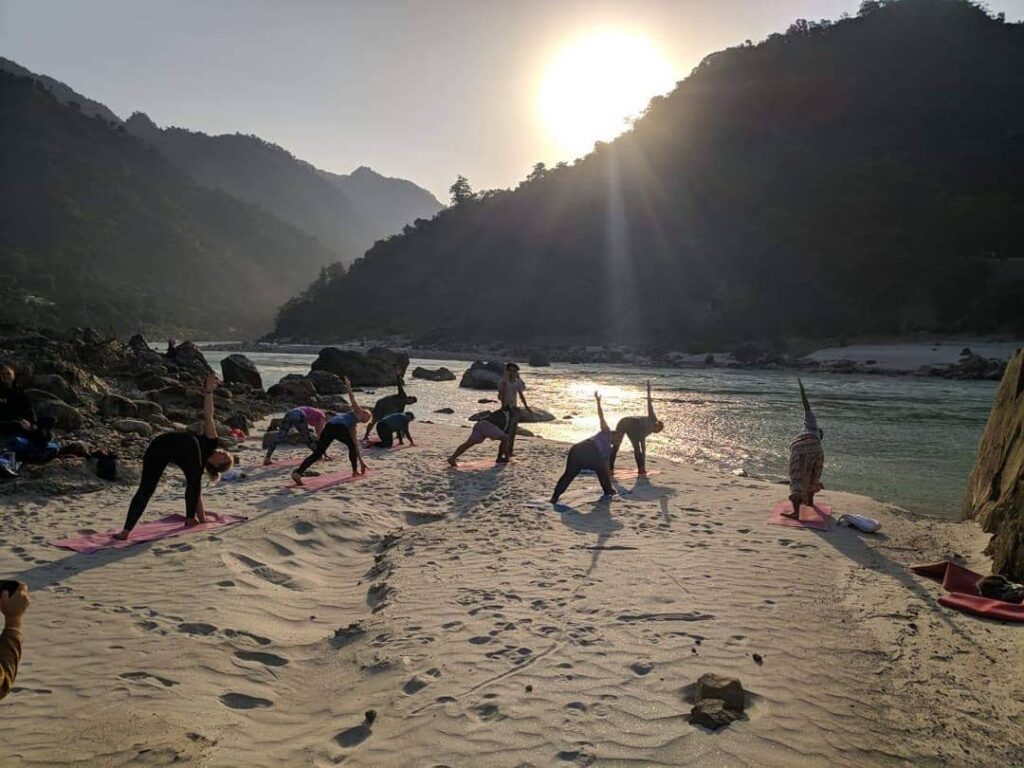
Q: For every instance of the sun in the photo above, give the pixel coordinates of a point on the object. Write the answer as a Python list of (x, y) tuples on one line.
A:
[(598, 81)]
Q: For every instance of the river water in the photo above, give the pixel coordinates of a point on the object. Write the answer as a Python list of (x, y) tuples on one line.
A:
[(909, 441)]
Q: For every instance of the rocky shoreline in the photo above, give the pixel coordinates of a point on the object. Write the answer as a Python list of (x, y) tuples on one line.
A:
[(969, 365)]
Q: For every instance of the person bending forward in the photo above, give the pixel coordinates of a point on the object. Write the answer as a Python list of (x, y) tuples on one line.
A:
[(301, 419), (192, 454), (806, 461), (593, 454), (493, 427), (637, 428), (343, 429)]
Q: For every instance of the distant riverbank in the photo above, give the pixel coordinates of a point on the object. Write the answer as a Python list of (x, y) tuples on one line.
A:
[(963, 358)]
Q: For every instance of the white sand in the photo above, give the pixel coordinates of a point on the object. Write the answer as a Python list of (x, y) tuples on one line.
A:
[(500, 634)]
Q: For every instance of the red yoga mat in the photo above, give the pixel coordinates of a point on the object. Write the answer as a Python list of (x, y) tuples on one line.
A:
[(961, 584), (313, 484), (164, 528), (623, 473), (818, 517), (394, 446)]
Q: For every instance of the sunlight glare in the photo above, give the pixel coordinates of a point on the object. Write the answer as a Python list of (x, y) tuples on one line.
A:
[(596, 83)]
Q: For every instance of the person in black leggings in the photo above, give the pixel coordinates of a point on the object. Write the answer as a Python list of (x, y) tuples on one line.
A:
[(343, 429), (592, 454), (637, 428), (192, 454)]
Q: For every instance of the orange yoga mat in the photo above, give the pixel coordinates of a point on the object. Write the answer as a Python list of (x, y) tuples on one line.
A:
[(961, 586)]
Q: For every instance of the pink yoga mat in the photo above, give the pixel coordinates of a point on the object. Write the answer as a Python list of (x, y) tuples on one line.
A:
[(164, 528), (277, 464), (312, 484), (818, 517), (477, 464), (394, 446), (634, 473)]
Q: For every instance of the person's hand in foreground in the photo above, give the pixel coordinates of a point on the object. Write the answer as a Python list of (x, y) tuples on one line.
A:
[(13, 606)]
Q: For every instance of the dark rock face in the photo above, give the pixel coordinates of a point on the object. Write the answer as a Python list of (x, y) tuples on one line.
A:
[(726, 689), (239, 369), (64, 416), (187, 356), (995, 490), (327, 383), (111, 405), (482, 374), (712, 713), (294, 390), (439, 374), (376, 368), (55, 385)]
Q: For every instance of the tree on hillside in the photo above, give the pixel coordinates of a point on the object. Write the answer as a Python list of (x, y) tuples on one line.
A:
[(460, 191)]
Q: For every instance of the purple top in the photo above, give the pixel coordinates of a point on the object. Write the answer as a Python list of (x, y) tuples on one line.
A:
[(603, 440), (314, 416)]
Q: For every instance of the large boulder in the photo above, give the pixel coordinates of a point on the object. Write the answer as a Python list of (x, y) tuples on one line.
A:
[(376, 368), (64, 416), (482, 374), (725, 689), (188, 357), (534, 415), (712, 714), (438, 374), (539, 360), (146, 408), (995, 490), (55, 385), (111, 405), (294, 390), (133, 427), (237, 368), (327, 383)]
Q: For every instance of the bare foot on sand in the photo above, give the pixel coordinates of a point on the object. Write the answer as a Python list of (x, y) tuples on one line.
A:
[(297, 478), (267, 462), (191, 522)]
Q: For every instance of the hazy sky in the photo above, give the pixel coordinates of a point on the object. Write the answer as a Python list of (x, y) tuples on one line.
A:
[(424, 89)]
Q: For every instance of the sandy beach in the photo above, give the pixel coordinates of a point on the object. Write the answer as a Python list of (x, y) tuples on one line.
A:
[(483, 627)]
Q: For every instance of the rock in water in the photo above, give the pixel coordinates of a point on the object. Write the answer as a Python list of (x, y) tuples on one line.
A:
[(726, 689), (482, 374), (374, 369), (240, 369), (995, 491), (712, 713), (539, 360), (295, 390), (190, 358), (440, 374)]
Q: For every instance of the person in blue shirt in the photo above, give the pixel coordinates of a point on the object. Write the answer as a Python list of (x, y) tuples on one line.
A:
[(593, 454), (397, 424), (343, 429)]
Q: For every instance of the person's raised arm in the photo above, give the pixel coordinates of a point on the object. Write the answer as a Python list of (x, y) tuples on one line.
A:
[(351, 394), (399, 383), (600, 413), (803, 396), (209, 426), (650, 404)]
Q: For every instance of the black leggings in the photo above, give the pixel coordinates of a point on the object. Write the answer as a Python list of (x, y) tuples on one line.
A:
[(585, 455), (385, 434), (330, 433), (176, 448)]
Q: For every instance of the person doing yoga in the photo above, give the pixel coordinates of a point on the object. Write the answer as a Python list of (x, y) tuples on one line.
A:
[(637, 428), (806, 461), (343, 429), (390, 404), (592, 454), (397, 424), (492, 427), (510, 392), (300, 419), (192, 454)]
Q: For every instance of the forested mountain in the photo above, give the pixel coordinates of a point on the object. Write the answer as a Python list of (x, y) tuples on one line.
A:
[(389, 204), (856, 177), (97, 228), (266, 175), (63, 93)]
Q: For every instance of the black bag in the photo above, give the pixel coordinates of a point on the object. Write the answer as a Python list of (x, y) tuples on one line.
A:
[(106, 466)]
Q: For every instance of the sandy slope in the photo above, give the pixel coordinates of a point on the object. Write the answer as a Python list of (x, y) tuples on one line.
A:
[(492, 630)]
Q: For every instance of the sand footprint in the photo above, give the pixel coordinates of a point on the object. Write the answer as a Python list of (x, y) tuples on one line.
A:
[(144, 676), (266, 659), (242, 701)]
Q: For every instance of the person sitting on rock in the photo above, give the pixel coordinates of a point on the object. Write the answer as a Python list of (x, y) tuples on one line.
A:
[(343, 429), (395, 425), (806, 461), (492, 427), (20, 431), (637, 428), (593, 454), (300, 419), (192, 454), (390, 404)]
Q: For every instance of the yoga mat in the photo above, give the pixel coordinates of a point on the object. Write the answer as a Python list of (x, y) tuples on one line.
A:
[(963, 595), (634, 473), (477, 464), (164, 528), (313, 484), (277, 464), (818, 517), (394, 446)]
